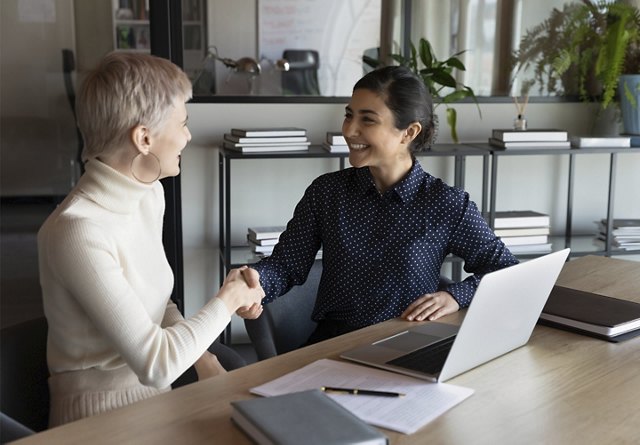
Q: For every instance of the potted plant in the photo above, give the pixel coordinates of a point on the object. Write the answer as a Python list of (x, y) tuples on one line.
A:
[(437, 76), (583, 49)]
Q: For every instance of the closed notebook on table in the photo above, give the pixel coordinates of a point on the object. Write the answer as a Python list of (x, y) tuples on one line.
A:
[(308, 417), (592, 314)]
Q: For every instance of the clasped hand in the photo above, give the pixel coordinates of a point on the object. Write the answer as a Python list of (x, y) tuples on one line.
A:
[(431, 307), (242, 293)]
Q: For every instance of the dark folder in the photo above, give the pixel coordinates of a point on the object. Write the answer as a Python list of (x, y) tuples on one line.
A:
[(308, 417), (592, 314)]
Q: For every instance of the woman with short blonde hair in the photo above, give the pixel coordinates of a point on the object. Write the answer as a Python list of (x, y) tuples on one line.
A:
[(115, 337)]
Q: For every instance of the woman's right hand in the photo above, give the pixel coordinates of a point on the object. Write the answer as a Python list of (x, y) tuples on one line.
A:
[(236, 293)]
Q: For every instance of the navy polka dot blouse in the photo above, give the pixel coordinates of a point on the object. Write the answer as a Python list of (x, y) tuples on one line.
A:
[(380, 252)]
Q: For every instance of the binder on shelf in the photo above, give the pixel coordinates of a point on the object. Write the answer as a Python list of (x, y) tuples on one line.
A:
[(308, 417), (269, 132), (533, 135), (592, 314)]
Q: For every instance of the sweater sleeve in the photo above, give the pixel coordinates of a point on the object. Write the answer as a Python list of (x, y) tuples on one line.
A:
[(83, 260)]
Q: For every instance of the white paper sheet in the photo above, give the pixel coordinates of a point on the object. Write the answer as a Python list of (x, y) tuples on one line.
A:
[(423, 401)]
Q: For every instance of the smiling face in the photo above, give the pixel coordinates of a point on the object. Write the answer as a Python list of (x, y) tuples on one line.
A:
[(370, 131), (170, 140)]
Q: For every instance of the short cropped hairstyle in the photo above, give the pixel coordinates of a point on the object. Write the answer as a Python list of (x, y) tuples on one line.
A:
[(406, 96), (125, 90)]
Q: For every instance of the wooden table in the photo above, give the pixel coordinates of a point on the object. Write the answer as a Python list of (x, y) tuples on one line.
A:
[(559, 388)]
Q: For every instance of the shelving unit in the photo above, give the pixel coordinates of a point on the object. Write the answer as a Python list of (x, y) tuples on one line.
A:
[(580, 245), (131, 30), (131, 25)]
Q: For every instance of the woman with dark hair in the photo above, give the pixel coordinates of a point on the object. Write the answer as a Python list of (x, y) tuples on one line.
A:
[(385, 225)]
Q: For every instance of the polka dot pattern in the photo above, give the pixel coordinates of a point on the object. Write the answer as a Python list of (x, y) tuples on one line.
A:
[(380, 252)]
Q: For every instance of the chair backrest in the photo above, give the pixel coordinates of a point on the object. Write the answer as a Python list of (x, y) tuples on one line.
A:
[(24, 390), (302, 77), (286, 323)]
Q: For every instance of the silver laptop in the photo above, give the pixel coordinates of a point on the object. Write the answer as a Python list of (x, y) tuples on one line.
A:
[(501, 318)]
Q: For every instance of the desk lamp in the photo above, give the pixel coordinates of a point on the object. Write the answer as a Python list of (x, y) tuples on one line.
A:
[(244, 65)]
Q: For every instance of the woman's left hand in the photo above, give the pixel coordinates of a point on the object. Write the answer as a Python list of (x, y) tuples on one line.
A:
[(431, 307), (208, 366)]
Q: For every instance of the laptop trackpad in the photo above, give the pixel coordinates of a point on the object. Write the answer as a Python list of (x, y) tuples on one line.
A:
[(409, 341)]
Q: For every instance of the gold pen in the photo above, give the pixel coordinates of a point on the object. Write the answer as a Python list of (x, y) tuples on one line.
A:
[(361, 392)]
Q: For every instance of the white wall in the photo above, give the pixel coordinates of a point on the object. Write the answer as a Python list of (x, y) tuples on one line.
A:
[(265, 192)]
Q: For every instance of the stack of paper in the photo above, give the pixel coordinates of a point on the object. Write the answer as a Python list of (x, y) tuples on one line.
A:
[(422, 401), (523, 231), (523, 139), (625, 234), (335, 142), (265, 140)]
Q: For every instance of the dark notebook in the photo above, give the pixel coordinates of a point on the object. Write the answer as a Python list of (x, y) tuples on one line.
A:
[(308, 417), (593, 314)]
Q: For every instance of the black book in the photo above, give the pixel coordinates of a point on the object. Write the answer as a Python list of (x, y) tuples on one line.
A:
[(592, 314), (308, 417)]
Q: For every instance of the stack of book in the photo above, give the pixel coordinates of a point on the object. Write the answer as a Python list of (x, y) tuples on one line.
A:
[(523, 231), (595, 142), (527, 139), (625, 234), (335, 143), (265, 140), (262, 240)]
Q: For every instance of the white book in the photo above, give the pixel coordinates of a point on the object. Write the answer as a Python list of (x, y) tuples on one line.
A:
[(530, 248), (589, 142), (269, 131), (519, 219), (332, 148), (262, 140), (524, 231), (335, 138), (263, 148), (265, 232), (511, 135), (264, 241), (528, 144), (524, 240)]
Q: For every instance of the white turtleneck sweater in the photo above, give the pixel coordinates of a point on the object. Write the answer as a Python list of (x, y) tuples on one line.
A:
[(114, 335)]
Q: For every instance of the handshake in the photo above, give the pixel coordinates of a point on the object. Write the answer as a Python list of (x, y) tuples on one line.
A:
[(242, 293)]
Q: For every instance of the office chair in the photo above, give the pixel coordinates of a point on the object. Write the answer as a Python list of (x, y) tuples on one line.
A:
[(302, 77), (286, 323), (24, 391)]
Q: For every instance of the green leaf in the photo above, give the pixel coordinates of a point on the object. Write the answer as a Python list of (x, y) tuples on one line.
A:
[(426, 53), (444, 78), (452, 117), (455, 63)]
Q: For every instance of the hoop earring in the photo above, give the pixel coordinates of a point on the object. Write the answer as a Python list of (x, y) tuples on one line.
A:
[(133, 161)]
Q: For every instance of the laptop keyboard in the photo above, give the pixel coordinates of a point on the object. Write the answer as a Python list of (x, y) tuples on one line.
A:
[(429, 359)]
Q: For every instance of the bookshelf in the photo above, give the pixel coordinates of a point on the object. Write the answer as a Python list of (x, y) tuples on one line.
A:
[(131, 30), (581, 245)]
